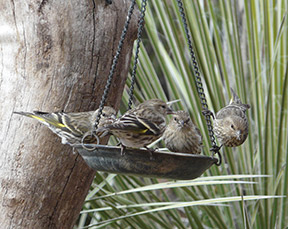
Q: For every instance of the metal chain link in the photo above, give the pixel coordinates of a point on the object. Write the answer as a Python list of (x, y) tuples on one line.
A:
[(115, 61), (140, 29), (199, 84)]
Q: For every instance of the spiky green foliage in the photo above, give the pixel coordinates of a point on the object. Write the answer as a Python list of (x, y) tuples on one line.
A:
[(239, 44)]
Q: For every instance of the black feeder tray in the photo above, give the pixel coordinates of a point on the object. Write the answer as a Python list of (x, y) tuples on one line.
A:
[(167, 165)]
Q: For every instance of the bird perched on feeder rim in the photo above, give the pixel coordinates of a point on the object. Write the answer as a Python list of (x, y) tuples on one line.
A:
[(141, 125), (181, 135), (74, 128), (231, 123)]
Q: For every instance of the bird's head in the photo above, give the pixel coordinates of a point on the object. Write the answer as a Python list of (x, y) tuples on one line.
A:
[(159, 106), (109, 112), (181, 119), (235, 128)]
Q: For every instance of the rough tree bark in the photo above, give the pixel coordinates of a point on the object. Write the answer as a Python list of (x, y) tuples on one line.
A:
[(54, 55)]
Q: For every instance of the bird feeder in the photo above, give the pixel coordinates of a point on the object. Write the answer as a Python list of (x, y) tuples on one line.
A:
[(178, 166), (139, 162)]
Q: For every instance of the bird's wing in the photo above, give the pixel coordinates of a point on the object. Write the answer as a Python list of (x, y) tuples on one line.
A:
[(136, 124), (152, 127), (78, 123)]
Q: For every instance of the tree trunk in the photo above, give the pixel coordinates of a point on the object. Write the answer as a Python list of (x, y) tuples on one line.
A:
[(54, 55)]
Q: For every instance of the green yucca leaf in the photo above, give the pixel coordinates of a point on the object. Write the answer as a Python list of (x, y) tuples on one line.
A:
[(192, 203)]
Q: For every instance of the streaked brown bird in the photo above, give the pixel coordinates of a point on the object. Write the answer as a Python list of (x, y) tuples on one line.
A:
[(141, 125), (231, 123), (181, 135), (72, 127)]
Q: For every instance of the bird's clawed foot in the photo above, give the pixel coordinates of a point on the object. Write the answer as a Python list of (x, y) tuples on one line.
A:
[(122, 149), (151, 151)]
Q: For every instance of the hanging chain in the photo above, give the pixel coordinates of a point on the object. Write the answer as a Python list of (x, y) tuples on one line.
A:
[(140, 29), (115, 61), (199, 85)]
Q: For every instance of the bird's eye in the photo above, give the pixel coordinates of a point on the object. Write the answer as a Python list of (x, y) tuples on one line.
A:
[(232, 127), (175, 119), (103, 114), (163, 106)]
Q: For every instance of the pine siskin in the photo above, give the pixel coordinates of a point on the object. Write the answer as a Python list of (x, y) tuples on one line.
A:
[(142, 125), (181, 135), (72, 127), (231, 123)]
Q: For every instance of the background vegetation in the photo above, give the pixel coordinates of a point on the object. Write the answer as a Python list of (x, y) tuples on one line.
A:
[(239, 44)]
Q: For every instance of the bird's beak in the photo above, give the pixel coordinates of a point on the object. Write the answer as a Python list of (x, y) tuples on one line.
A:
[(238, 135), (113, 116), (170, 111), (182, 123)]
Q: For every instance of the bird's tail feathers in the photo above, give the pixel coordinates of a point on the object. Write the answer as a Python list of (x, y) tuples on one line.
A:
[(236, 100), (27, 114), (43, 117), (40, 113)]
